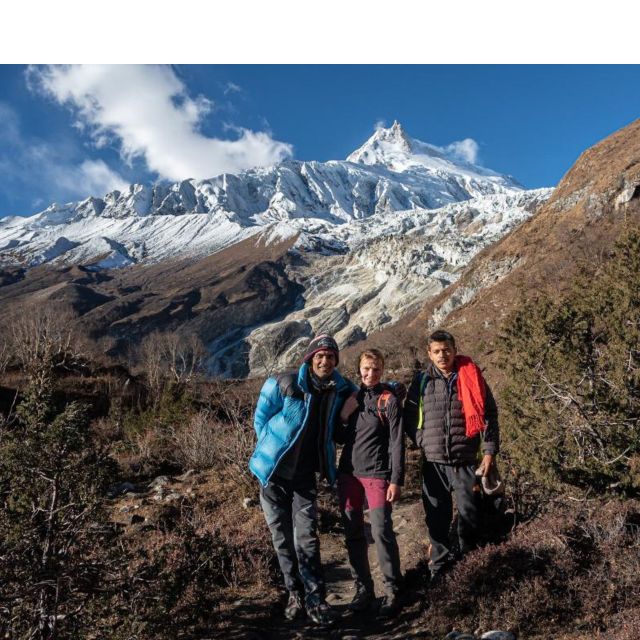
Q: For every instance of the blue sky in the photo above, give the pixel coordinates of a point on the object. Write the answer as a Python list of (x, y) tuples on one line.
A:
[(66, 133)]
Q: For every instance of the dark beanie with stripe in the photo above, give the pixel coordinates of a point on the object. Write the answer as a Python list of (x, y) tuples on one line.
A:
[(322, 343)]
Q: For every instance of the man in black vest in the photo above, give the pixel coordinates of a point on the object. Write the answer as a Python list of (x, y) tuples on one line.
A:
[(450, 413)]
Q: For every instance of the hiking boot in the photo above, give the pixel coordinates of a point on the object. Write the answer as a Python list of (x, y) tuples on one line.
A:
[(322, 613), (436, 578), (294, 606), (362, 600), (391, 606)]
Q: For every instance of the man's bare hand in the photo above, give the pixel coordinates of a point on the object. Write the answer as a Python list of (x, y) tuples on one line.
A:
[(487, 464), (393, 492), (350, 405)]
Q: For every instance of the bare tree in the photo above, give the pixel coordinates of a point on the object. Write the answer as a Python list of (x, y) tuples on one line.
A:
[(174, 358), (5, 352), (185, 356), (43, 338), (151, 361)]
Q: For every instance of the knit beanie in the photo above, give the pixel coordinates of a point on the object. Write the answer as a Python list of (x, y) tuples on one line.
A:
[(320, 343)]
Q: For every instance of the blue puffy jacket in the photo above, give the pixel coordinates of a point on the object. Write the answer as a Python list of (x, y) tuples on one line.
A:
[(281, 414)]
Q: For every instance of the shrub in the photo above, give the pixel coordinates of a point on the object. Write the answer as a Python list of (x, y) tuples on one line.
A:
[(51, 482), (195, 443), (572, 410), (176, 573), (579, 566), (208, 442)]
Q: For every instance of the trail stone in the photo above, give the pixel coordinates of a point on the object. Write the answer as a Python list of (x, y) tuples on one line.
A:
[(159, 482), (187, 474), (497, 635), (121, 488), (459, 635)]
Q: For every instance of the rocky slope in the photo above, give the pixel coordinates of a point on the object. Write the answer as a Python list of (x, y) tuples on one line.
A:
[(596, 200)]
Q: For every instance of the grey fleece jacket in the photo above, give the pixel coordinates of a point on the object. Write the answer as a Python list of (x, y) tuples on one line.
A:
[(373, 448)]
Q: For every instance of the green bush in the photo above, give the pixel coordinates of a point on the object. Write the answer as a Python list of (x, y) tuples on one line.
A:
[(572, 406), (51, 519)]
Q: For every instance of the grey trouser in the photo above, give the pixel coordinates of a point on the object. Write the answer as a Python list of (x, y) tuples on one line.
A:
[(290, 510), (438, 482)]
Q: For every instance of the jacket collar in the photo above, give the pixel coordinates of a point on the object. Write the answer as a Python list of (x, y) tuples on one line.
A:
[(376, 390), (434, 372), (303, 379)]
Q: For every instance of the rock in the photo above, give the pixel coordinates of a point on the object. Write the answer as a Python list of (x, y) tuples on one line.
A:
[(497, 635), (187, 474), (248, 502), (159, 482), (174, 495), (121, 488), (125, 509), (458, 635)]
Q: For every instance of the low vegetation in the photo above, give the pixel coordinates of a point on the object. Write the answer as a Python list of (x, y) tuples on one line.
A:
[(80, 558)]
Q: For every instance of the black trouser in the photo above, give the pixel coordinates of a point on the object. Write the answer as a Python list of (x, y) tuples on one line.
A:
[(290, 510), (438, 481)]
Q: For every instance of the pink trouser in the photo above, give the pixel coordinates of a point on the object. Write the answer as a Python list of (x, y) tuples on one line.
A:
[(352, 491)]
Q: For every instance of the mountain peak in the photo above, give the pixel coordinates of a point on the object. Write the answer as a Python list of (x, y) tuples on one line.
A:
[(383, 143), (394, 134)]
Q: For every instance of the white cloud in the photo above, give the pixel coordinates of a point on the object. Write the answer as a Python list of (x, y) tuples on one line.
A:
[(33, 166), (380, 124), (91, 177), (148, 111), (232, 87), (467, 150)]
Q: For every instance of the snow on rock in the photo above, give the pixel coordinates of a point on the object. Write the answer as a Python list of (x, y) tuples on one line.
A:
[(375, 235), (388, 174), (390, 265)]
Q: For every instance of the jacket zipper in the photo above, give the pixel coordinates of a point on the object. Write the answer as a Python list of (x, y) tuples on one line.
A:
[(448, 420)]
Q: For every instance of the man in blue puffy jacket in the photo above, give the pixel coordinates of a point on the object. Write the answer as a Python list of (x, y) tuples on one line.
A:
[(294, 423)]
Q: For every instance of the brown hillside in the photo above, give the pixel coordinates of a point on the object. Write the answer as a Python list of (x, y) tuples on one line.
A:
[(231, 289)]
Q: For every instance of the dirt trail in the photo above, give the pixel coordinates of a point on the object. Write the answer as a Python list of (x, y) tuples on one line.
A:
[(264, 620)]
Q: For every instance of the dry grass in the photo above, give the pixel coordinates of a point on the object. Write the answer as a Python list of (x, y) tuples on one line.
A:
[(576, 568)]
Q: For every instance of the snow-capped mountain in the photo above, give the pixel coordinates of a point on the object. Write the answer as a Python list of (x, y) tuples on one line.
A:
[(372, 237), (390, 265), (389, 173)]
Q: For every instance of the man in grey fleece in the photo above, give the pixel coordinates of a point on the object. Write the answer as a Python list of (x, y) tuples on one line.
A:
[(450, 413)]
